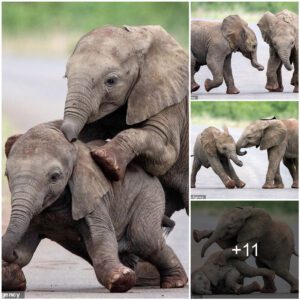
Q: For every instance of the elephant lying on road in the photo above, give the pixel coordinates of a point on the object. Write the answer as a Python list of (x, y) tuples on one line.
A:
[(215, 149), (212, 44), (281, 32), (213, 278), (275, 242), (141, 73), (280, 139), (60, 193)]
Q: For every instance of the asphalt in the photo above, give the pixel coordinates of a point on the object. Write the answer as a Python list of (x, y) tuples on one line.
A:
[(248, 80), (253, 172)]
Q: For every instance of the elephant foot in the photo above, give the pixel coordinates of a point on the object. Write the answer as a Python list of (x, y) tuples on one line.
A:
[(195, 87), (13, 278), (232, 90), (268, 290), (296, 90), (250, 288), (240, 184), (295, 185), (120, 280), (146, 274), (176, 280), (294, 288), (207, 85), (274, 88), (198, 235), (279, 185), (111, 164), (230, 184), (269, 186)]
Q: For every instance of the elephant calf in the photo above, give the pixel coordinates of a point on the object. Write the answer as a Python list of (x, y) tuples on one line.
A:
[(212, 44), (280, 139), (58, 192), (214, 148), (215, 278)]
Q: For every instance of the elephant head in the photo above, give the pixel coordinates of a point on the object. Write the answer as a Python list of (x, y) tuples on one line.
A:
[(281, 32), (40, 164), (240, 224), (200, 284), (264, 133), (241, 38), (141, 67)]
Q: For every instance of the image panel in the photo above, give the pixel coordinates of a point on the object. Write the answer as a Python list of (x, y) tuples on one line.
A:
[(244, 50), (244, 249), (95, 138), (244, 150)]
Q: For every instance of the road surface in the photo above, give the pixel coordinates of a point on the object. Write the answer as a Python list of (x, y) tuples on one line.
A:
[(200, 220), (248, 80), (33, 91), (253, 173)]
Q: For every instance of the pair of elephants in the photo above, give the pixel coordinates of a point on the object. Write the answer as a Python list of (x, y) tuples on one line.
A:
[(223, 272), (212, 44), (68, 185), (216, 149)]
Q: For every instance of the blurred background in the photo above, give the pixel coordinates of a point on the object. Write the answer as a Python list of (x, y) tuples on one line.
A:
[(205, 215), (37, 39)]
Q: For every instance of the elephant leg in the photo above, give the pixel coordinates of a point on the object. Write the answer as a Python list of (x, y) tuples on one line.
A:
[(295, 183), (232, 280), (215, 65), (232, 174), (102, 246), (195, 67), (249, 288), (275, 155), (294, 80), (13, 278), (196, 167), (199, 235), (269, 285), (273, 64), (227, 72), (279, 77), (291, 165), (278, 180), (218, 168)]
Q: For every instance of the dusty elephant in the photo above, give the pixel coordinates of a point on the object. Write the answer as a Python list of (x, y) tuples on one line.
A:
[(139, 76), (227, 278), (213, 43), (214, 148), (280, 139), (275, 241), (280, 31), (58, 192)]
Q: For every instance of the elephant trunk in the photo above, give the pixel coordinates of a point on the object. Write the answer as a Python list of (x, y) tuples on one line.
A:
[(255, 63), (285, 58), (238, 149), (212, 239), (235, 159)]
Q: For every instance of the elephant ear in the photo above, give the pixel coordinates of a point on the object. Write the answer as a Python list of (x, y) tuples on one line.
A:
[(163, 73), (88, 185), (208, 141), (234, 30), (265, 25), (10, 142), (273, 135)]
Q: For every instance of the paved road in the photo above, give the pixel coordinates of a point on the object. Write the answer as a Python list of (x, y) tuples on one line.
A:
[(33, 92), (248, 80), (200, 220), (253, 173)]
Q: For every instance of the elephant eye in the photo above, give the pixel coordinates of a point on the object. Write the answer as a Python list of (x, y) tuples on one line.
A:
[(111, 81), (55, 176)]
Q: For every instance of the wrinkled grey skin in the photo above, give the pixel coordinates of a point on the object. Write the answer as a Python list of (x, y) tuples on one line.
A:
[(214, 148), (58, 192), (275, 242), (280, 139), (141, 75), (281, 32), (213, 278), (213, 43)]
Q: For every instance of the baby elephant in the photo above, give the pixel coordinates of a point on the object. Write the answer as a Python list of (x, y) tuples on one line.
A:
[(212, 44), (58, 192), (213, 278), (214, 148), (281, 32), (280, 139)]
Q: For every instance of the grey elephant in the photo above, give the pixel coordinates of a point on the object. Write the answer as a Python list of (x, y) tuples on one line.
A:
[(247, 225), (137, 79), (215, 278), (212, 44), (281, 32), (280, 139), (214, 148), (58, 192)]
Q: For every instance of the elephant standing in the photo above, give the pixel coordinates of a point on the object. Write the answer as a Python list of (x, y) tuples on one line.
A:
[(213, 43), (215, 278), (214, 148), (280, 31), (58, 192), (139, 75), (280, 139), (275, 242)]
